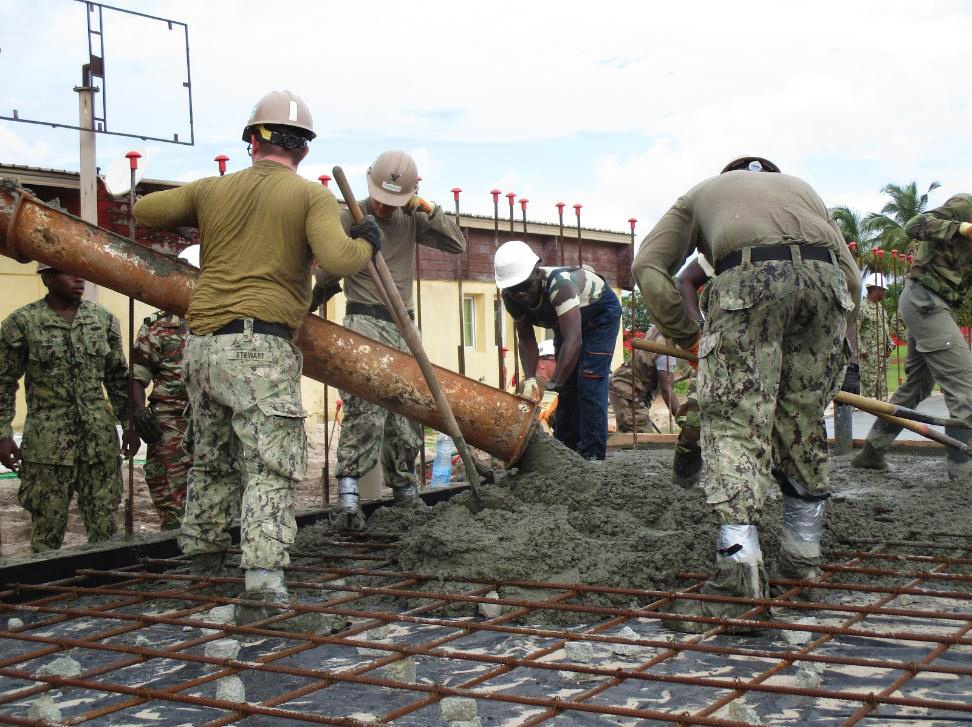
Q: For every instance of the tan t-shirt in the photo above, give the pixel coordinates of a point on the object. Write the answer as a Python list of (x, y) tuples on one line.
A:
[(260, 229), (725, 213)]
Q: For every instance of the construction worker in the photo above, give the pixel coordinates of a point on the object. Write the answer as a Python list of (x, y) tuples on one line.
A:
[(771, 357), (585, 315), (937, 285), (873, 340), (68, 349), (638, 379), (157, 360), (370, 433), (260, 230)]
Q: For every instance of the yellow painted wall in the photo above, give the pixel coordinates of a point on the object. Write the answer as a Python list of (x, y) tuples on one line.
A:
[(440, 313)]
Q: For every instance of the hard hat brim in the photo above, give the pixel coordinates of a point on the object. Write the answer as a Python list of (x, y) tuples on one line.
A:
[(392, 199)]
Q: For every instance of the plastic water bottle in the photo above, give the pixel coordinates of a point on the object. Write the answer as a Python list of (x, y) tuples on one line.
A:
[(442, 464)]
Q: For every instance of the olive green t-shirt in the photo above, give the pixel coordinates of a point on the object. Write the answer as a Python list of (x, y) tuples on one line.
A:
[(260, 230)]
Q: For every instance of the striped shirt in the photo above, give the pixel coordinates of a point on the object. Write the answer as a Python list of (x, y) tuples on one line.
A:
[(563, 290)]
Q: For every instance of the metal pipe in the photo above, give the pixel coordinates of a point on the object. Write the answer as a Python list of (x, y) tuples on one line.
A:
[(495, 421), (498, 304), (423, 464), (326, 470), (462, 301), (133, 157), (580, 243), (560, 238)]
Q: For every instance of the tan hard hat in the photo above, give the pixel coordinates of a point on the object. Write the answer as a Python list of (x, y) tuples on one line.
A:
[(393, 178), (284, 109), (762, 165)]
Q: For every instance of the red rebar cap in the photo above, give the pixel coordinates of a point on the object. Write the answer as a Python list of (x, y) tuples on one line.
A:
[(632, 221), (852, 245), (879, 253), (324, 179), (510, 196), (455, 193), (577, 208), (523, 202), (133, 157), (221, 160), (560, 206), (496, 193)]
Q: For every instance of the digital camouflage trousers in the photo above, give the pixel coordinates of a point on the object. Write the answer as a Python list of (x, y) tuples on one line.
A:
[(248, 445), (771, 359)]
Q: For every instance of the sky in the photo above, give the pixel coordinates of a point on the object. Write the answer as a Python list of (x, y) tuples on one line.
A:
[(618, 106)]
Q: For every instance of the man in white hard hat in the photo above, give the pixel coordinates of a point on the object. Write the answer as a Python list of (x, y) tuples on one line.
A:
[(260, 230), (873, 339), (370, 433), (585, 315)]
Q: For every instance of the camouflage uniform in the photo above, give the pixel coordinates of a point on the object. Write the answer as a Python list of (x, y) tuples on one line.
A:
[(937, 285), (248, 444), (159, 350), (874, 346), (635, 379), (70, 443), (369, 431), (770, 360)]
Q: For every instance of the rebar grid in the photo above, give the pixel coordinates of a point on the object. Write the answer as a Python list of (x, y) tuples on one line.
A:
[(319, 678)]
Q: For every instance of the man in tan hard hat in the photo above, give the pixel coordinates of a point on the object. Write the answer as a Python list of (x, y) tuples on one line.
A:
[(370, 433), (260, 228)]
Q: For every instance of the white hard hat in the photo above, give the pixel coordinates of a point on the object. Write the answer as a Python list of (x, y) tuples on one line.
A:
[(514, 262), (41, 267), (546, 348), (875, 280)]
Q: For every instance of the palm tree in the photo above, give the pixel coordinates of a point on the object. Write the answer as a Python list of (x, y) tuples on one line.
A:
[(889, 223), (855, 229)]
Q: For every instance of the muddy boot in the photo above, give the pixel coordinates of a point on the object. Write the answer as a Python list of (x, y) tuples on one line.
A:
[(799, 558), (687, 466), (739, 572), (268, 589), (958, 464), (407, 497), (869, 458), (348, 515)]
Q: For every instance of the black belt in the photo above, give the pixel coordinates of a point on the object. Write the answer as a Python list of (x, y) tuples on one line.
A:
[(773, 252), (271, 329), (375, 311)]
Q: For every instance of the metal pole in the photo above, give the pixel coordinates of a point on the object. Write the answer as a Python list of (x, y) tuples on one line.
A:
[(383, 279), (221, 160), (560, 242), (326, 472), (511, 197), (133, 157), (580, 244), (462, 301), (897, 321), (418, 315), (88, 170), (498, 302), (634, 351)]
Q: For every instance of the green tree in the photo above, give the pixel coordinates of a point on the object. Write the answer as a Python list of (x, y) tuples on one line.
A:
[(642, 321), (856, 229), (888, 224)]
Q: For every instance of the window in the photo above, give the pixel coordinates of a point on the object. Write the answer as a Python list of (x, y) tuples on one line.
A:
[(469, 321)]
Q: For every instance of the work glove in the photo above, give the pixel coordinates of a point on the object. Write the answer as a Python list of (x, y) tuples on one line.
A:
[(548, 405), (417, 203), (369, 231), (147, 426), (530, 388), (322, 294), (852, 380), (965, 229), (694, 350), (130, 444), (9, 454)]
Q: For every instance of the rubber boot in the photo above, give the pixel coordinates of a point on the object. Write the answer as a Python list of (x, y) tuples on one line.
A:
[(687, 466), (739, 572), (799, 557), (871, 456), (206, 564), (348, 515), (958, 464), (407, 497)]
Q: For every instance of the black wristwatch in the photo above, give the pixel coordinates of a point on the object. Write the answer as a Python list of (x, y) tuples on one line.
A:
[(554, 387)]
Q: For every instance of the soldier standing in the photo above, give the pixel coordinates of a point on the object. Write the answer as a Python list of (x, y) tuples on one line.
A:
[(368, 431), (68, 349), (640, 378), (157, 360), (874, 340), (260, 230), (770, 359), (938, 282)]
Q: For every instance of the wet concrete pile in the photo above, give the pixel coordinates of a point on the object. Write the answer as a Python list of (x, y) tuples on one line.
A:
[(623, 523)]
